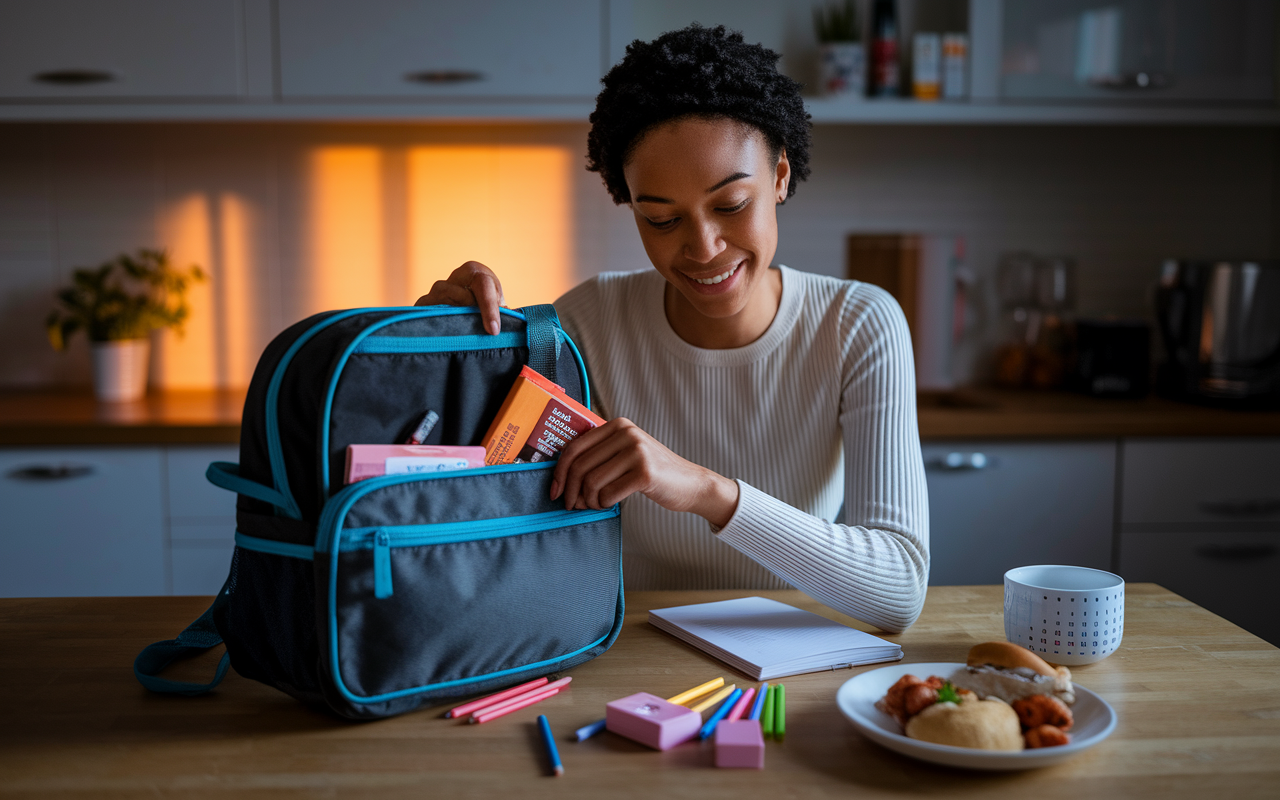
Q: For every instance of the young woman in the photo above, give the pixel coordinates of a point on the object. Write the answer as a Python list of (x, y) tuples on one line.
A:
[(746, 402)]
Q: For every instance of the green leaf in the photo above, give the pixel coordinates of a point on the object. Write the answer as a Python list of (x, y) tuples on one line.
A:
[(948, 694)]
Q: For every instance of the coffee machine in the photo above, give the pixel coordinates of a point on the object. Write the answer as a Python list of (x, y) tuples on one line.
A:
[(1220, 325)]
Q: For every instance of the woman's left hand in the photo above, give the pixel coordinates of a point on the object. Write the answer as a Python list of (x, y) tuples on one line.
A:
[(605, 465)]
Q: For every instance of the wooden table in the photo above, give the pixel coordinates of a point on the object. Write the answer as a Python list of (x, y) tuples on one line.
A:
[(1198, 701)]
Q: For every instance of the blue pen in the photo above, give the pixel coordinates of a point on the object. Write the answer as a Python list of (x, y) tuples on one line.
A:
[(587, 731), (556, 767), (759, 704), (723, 710)]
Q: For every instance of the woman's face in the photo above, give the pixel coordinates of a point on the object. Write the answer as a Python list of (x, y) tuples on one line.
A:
[(704, 193)]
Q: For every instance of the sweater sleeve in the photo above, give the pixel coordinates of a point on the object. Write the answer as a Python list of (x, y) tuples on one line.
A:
[(876, 567)]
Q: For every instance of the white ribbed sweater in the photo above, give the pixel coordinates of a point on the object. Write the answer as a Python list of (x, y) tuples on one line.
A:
[(818, 411)]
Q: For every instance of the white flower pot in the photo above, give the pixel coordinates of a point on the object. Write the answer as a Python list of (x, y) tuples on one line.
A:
[(120, 369), (842, 69)]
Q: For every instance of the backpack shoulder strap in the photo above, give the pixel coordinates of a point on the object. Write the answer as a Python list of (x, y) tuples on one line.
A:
[(198, 637), (541, 325)]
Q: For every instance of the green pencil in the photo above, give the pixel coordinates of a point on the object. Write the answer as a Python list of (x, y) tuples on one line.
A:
[(766, 716), (780, 714)]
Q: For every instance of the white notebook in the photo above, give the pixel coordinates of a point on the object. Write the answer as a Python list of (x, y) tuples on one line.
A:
[(766, 639)]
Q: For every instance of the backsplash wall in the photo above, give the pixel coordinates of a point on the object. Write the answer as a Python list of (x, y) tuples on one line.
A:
[(295, 219)]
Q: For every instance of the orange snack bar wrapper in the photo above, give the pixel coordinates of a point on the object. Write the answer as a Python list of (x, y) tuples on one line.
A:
[(535, 422)]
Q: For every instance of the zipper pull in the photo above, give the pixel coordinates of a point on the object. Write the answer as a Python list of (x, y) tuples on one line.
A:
[(381, 565)]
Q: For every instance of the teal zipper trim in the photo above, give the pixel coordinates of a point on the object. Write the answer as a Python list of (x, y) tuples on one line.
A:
[(440, 344), (381, 565), (475, 530), (275, 548)]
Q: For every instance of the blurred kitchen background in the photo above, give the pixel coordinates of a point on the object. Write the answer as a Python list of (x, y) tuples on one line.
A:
[(313, 154)]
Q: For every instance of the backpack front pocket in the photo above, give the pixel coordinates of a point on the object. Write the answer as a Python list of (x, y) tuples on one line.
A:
[(447, 583)]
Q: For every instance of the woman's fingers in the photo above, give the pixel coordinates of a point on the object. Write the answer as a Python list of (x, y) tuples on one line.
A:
[(587, 451), (470, 284)]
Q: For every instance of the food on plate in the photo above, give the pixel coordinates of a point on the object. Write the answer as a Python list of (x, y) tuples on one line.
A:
[(1045, 736), (974, 723), (1004, 698), (1041, 709), (1008, 672)]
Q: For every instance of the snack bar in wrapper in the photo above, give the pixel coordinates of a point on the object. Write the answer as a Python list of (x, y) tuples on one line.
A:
[(535, 422)]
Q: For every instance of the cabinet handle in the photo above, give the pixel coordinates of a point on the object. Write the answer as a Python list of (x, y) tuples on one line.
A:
[(1236, 552), (75, 77), (961, 462), (1243, 509), (45, 472), (1134, 81), (444, 76)]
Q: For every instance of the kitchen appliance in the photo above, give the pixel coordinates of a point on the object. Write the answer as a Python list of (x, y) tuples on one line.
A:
[(1112, 358), (1220, 325)]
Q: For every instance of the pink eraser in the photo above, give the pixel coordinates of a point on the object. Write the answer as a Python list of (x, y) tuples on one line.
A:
[(652, 721), (740, 744)]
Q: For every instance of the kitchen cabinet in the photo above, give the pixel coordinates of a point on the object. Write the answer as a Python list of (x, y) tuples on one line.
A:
[(998, 505), (108, 521), (82, 50), (82, 522), (1135, 52), (1202, 518), (482, 49)]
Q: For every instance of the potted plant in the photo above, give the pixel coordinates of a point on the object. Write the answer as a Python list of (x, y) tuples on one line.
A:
[(118, 305), (842, 59)]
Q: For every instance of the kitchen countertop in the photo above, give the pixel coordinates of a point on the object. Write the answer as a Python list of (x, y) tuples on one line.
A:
[(40, 418), (1195, 698)]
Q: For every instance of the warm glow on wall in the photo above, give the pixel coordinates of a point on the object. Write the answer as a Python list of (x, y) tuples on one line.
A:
[(343, 266), (506, 206)]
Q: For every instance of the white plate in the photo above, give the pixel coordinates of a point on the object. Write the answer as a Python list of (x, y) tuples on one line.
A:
[(1094, 721)]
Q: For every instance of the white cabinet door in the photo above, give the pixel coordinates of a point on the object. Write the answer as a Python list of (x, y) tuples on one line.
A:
[(480, 48), (1205, 483), (134, 49), (202, 520), (81, 522), (995, 506)]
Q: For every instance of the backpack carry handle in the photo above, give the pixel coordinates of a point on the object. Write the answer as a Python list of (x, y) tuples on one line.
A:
[(198, 637), (541, 323)]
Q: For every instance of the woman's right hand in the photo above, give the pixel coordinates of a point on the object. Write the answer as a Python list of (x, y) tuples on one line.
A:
[(472, 284)]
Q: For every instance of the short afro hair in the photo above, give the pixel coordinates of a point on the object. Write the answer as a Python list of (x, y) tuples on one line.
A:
[(695, 72)]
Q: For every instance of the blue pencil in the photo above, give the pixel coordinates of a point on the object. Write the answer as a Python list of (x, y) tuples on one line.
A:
[(587, 731), (759, 704), (720, 714), (550, 741)]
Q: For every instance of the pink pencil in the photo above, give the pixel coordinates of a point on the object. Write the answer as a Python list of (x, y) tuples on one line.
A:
[(494, 699), (524, 701), (741, 706), (560, 684)]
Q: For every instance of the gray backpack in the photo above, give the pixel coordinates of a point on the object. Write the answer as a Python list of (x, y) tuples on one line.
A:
[(374, 598)]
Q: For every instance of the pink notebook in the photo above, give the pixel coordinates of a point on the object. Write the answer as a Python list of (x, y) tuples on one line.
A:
[(372, 460)]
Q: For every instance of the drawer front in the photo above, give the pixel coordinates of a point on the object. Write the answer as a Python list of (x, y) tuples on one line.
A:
[(481, 48), (145, 48), (191, 497), (995, 506), (1213, 483), (81, 522), (1234, 575)]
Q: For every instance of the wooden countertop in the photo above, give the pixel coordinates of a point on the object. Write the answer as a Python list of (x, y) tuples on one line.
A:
[(1195, 696), (213, 417)]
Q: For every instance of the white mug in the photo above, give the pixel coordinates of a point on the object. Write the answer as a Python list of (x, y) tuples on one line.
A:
[(1065, 615)]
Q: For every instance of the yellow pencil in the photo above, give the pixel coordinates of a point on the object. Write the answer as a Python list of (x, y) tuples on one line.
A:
[(697, 691), (715, 698)]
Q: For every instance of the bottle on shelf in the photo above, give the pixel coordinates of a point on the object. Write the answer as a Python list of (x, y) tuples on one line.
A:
[(886, 73)]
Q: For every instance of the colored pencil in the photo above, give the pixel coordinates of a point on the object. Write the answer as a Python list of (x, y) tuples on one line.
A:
[(587, 731), (759, 704), (766, 718), (740, 707), (560, 684), (780, 714), (709, 727), (517, 703), (494, 699), (715, 698), (556, 767), (697, 691)]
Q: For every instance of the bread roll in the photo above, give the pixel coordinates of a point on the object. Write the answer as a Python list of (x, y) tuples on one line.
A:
[(1008, 656), (979, 724)]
